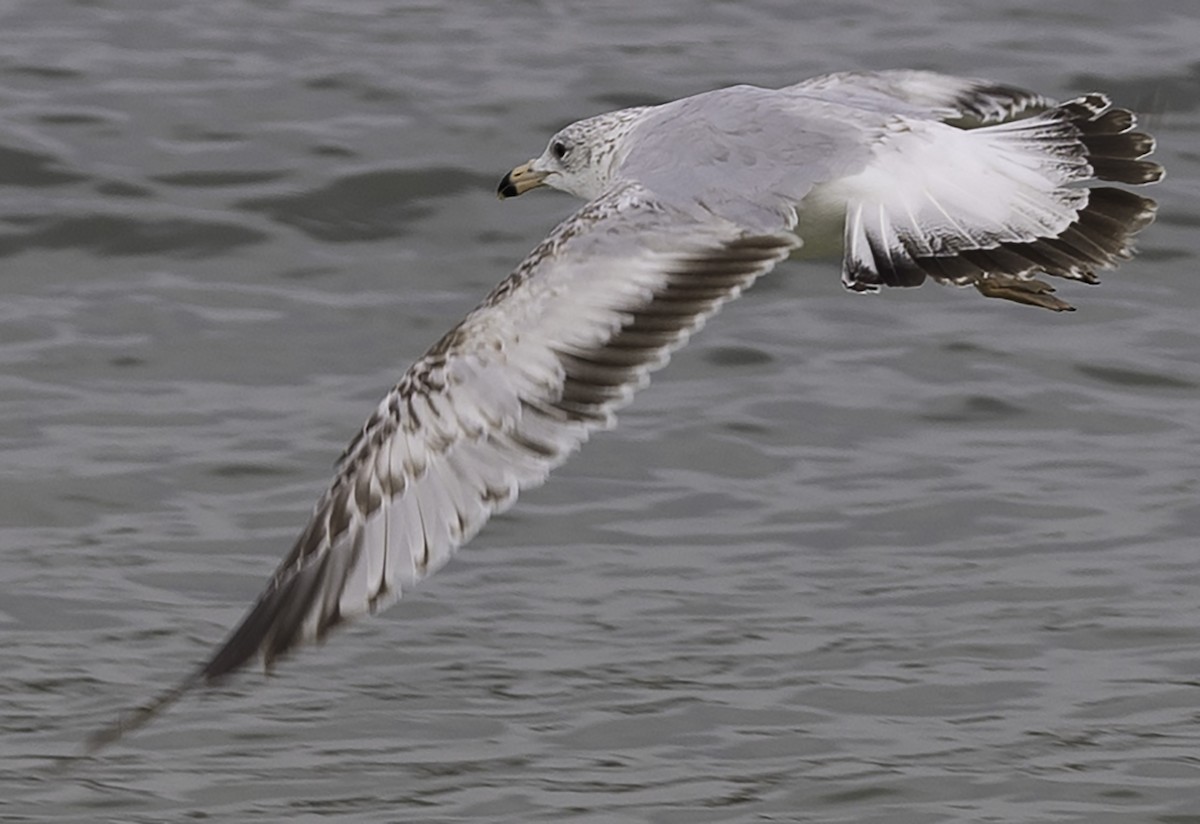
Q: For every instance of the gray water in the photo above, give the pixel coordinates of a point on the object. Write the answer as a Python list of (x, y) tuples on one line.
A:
[(920, 557)]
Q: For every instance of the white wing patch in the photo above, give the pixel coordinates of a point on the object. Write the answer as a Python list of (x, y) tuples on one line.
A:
[(992, 206)]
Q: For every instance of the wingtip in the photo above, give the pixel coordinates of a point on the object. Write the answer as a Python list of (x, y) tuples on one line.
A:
[(132, 720)]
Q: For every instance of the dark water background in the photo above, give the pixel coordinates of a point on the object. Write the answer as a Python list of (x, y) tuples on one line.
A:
[(915, 558)]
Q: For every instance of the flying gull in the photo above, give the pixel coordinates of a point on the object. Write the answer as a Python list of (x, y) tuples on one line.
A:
[(962, 181)]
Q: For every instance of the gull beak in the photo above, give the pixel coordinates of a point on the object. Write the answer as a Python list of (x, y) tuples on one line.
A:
[(520, 180)]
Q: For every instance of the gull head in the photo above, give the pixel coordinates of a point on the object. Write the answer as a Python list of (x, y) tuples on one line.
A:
[(582, 159)]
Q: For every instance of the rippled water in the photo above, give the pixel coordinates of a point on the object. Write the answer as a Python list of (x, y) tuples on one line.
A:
[(914, 558)]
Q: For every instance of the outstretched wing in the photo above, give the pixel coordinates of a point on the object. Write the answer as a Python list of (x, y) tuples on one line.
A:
[(986, 205), (502, 399), (992, 207)]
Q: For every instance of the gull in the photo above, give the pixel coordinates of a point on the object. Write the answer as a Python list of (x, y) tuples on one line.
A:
[(919, 175)]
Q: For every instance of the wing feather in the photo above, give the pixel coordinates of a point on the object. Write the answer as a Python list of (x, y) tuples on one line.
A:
[(506, 397), (491, 409), (993, 206)]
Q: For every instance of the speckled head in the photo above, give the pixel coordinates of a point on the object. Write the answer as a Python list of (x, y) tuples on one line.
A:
[(579, 159)]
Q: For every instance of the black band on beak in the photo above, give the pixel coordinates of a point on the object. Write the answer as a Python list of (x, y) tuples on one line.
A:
[(507, 188)]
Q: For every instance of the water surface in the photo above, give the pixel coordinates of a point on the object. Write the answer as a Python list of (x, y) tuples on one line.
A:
[(913, 558)]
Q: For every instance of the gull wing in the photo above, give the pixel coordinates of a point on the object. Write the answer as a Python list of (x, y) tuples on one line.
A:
[(993, 206), (498, 402)]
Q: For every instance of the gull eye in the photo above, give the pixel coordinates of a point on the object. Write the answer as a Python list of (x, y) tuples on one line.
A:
[(558, 149)]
